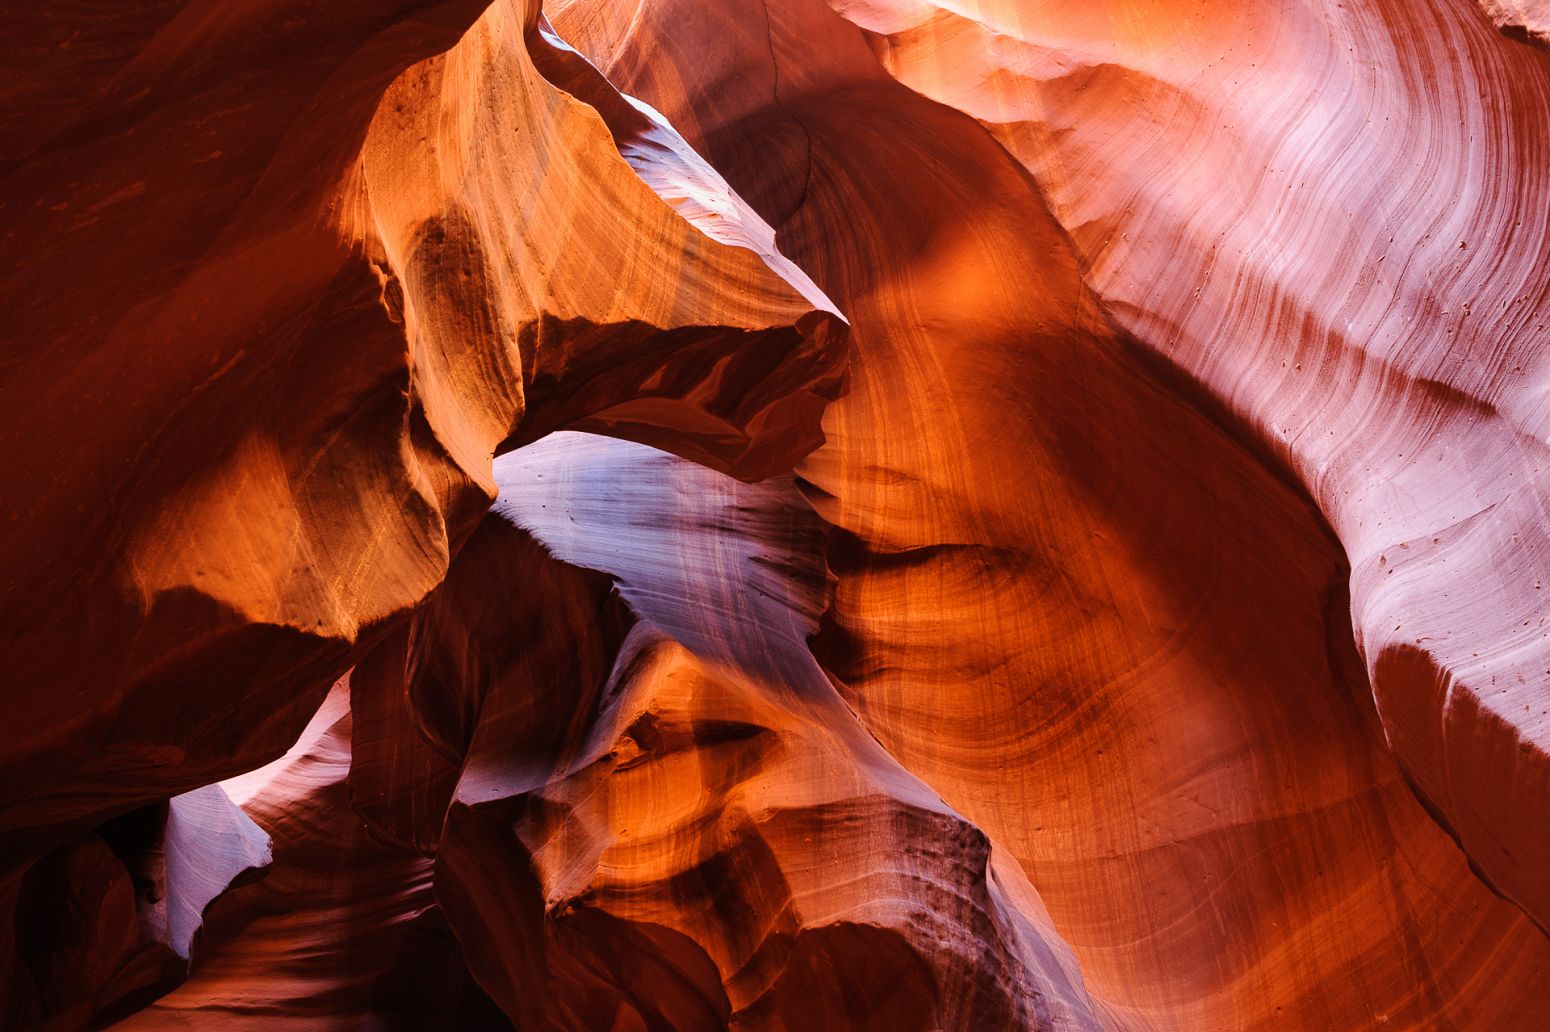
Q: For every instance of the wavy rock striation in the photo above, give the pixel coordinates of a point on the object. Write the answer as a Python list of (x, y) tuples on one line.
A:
[(658, 812), (1382, 338), (320, 267), (261, 421), (1128, 614), (1101, 353), (724, 816)]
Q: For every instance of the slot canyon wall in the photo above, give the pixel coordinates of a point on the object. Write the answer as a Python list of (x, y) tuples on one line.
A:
[(775, 514)]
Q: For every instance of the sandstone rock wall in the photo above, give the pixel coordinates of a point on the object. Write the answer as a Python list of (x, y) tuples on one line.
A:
[(1055, 539)]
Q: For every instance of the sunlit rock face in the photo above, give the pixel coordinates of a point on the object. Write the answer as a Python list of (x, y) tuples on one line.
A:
[(280, 281), (1354, 263), (296, 305), (1522, 19), (686, 514)]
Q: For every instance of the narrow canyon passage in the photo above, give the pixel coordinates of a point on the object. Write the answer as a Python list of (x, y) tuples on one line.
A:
[(1054, 564), (867, 514)]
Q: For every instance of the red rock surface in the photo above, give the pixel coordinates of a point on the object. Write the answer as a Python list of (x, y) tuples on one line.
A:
[(1074, 559), (1522, 19), (343, 932), (259, 415)]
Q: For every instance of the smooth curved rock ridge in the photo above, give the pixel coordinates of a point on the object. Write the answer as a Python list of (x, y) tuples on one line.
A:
[(1127, 614), (314, 285), (206, 843), (103, 925), (344, 932), (249, 434), (1337, 230), (1058, 555), (722, 781), (671, 352)]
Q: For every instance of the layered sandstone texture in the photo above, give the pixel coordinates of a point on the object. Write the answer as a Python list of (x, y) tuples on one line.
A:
[(775, 514)]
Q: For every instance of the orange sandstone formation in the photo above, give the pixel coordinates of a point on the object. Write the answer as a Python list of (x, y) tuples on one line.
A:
[(343, 932), (270, 312), (263, 344), (1370, 303), (1076, 562), (1086, 571), (724, 838)]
